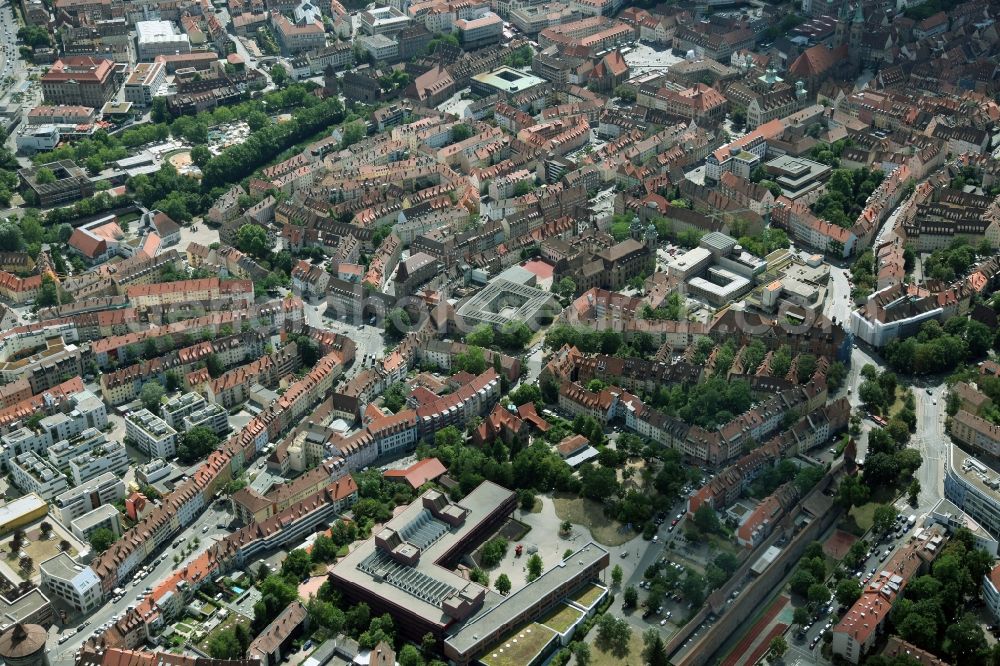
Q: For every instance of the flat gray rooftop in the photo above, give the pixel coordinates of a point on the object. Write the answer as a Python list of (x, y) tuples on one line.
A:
[(424, 586), (491, 620)]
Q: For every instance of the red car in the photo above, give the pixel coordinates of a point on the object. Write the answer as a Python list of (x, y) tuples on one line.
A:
[(673, 522)]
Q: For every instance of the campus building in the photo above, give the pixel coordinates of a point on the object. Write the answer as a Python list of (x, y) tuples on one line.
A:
[(406, 570)]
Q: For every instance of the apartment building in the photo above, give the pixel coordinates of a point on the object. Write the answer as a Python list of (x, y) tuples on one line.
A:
[(73, 583), (144, 83), (109, 457), (80, 81), (33, 475), (274, 643), (75, 502), (855, 634), (151, 434), (383, 21), (232, 388), (63, 114), (701, 103), (60, 453), (475, 33), (297, 38), (532, 17), (742, 155), (174, 410), (153, 471), (976, 432), (239, 292), (189, 499), (991, 591), (212, 416), (104, 517), (472, 399)]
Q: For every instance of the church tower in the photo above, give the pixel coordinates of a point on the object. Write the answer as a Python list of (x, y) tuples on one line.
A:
[(857, 32), (651, 237), (843, 17)]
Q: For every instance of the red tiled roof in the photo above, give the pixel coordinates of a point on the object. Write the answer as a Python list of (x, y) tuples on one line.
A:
[(419, 473)]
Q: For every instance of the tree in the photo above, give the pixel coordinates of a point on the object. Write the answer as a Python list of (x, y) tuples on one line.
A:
[(852, 492), (159, 112), (706, 519), (397, 323), (654, 652), (494, 551), (460, 132), (502, 583), (480, 336), (44, 176), (884, 518), (616, 575), (200, 155), (693, 588), (224, 645), (566, 289), (101, 539), (477, 575), (613, 634), (242, 635), (410, 656), (26, 563), (252, 240), (394, 398), (800, 581), (818, 593), (534, 567), (46, 528), (913, 490), (151, 395), (214, 365), (581, 651), (428, 645), (848, 591), (801, 616), (630, 597), (352, 133), (778, 646), (323, 549), (196, 444), (65, 546), (279, 75)]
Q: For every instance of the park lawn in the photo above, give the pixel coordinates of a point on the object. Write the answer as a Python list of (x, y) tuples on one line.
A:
[(587, 596), (519, 647), (863, 516), (226, 624), (897, 404), (590, 514), (634, 656), (561, 618)]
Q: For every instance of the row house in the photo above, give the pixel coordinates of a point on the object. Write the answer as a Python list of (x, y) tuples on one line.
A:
[(470, 400), (186, 502), (233, 387), (238, 292), (812, 231)]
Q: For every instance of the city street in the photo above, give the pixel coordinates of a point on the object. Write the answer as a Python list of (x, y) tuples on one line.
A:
[(205, 528)]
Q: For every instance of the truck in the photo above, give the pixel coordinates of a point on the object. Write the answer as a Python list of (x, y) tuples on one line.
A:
[(911, 521)]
